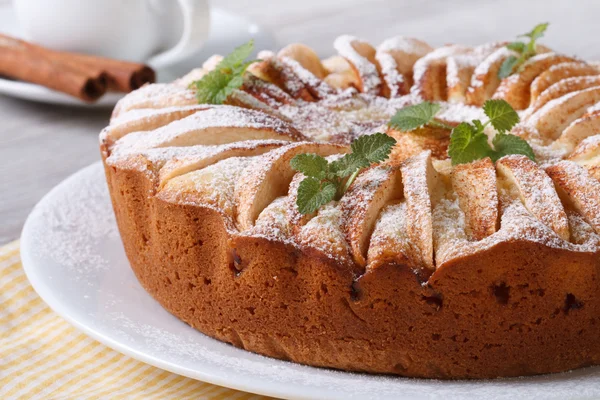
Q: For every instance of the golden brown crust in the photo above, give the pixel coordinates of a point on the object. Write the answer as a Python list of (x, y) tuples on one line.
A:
[(495, 313)]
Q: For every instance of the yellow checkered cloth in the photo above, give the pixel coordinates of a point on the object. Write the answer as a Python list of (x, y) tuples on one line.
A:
[(43, 357)]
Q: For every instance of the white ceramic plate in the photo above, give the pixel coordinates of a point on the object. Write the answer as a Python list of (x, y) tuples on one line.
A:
[(73, 257), (227, 31)]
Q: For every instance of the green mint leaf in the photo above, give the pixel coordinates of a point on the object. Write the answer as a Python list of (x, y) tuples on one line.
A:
[(312, 165), (349, 163), (374, 148), (237, 56), (324, 180), (313, 194), (505, 144), (478, 125), (537, 32), (228, 75), (502, 116), (519, 47), (410, 118), (507, 67), (526, 51), (467, 144)]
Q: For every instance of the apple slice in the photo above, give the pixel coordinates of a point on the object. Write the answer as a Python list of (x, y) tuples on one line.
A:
[(484, 80), (421, 191), (211, 126), (476, 189), (339, 73), (430, 73), (361, 205), (361, 56), (516, 89), (306, 57), (396, 56), (562, 88), (554, 117), (145, 119), (324, 234), (156, 95), (270, 177), (587, 154), (266, 92), (199, 157), (212, 186), (557, 73), (536, 191), (390, 242), (409, 144), (275, 71), (296, 76), (578, 189), (272, 222), (459, 71), (578, 130), (243, 99)]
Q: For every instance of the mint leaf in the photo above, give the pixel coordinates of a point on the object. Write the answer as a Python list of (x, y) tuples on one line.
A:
[(312, 194), (312, 165), (478, 125), (525, 50), (228, 75), (467, 144), (326, 181), (374, 148), (410, 118), (507, 67), (519, 47), (505, 144), (502, 116), (348, 164), (537, 32), (237, 56)]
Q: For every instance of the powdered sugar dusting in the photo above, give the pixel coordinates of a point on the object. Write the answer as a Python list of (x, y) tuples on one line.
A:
[(367, 71), (448, 229), (157, 95), (324, 233), (77, 217), (273, 221), (189, 130), (213, 185), (315, 86), (536, 190), (390, 239)]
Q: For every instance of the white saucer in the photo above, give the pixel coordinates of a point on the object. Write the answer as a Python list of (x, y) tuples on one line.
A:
[(227, 31), (73, 256)]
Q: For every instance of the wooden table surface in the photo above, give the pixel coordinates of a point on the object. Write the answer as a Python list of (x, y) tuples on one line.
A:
[(42, 144)]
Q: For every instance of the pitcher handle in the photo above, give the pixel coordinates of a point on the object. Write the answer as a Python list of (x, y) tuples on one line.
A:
[(196, 25)]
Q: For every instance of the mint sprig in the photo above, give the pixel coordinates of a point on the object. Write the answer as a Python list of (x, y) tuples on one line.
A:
[(525, 51), (413, 117), (468, 141), (326, 181), (228, 75)]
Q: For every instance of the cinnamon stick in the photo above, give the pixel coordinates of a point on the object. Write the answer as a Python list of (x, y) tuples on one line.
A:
[(30, 63), (123, 76), (84, 76)]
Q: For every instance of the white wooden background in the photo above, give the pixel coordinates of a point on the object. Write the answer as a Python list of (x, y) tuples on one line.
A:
[(42, 144)]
